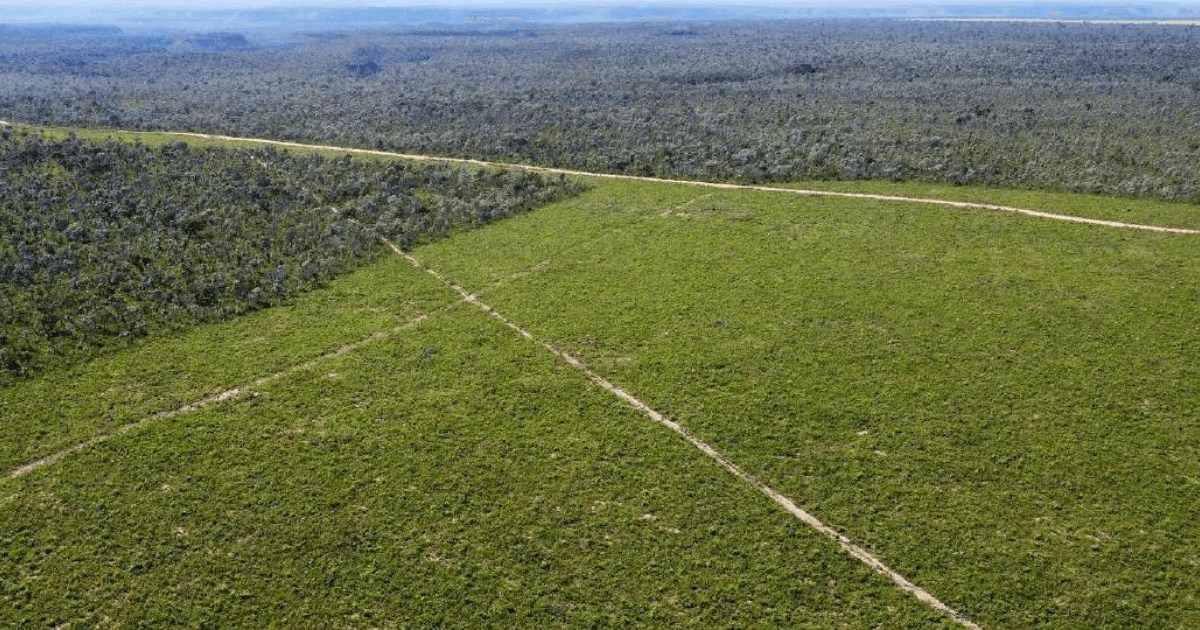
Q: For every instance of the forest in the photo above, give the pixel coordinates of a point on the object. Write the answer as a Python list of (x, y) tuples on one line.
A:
[(1111, 109), (103, 242)]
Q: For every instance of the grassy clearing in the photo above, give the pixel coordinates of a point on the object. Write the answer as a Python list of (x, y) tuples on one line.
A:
[(1000, 407), (453, 475)]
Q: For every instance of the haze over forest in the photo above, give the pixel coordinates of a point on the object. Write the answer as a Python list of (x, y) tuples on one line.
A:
[(149, 15)]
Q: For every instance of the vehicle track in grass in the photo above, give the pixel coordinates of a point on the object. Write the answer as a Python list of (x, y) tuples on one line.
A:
[(968, 205), (240, 391), (232, 393), (472, 298), (708, 450)]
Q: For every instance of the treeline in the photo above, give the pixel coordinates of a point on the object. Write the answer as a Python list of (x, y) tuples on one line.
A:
[(1096, 108), (103, 242)]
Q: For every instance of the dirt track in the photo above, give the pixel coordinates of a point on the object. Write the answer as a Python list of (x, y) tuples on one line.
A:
[(711, 452), (861, 554), (212, 399), (970, 205)]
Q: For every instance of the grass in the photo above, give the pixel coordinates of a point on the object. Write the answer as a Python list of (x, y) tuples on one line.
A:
[(1000, 407), (453, 475), (60, 408)]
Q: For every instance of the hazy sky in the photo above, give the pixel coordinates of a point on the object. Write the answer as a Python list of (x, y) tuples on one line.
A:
[(16, 11), (99, 4)]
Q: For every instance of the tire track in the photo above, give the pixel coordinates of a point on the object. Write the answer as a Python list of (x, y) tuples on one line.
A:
[(212, 399), (687, 204), (243, 390), (711, 452), (708, 450)]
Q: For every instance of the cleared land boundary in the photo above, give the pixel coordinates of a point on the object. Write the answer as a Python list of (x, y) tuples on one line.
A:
[(969, 205), (239, 391), (807, 192)]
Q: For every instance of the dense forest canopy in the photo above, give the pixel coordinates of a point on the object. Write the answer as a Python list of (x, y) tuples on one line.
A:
[(1097, 108), (104, 242)]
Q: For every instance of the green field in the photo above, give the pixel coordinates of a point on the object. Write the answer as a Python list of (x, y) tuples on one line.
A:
[(1001, 408)]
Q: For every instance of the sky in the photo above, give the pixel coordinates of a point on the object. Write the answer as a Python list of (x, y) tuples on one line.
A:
[(101, 4)]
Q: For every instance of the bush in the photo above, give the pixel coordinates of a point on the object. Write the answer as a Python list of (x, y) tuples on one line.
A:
[(105, 242)]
